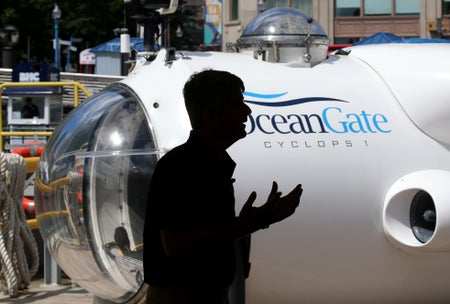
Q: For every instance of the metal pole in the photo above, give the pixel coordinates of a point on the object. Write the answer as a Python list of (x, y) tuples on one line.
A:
[(56, 13), (124, 53), (56, 44), (52, 272), (68, 54), (151, 30)]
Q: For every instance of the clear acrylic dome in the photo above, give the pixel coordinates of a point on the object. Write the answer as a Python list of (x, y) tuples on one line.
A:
[(284, 35), (282, 21), (91, 193)]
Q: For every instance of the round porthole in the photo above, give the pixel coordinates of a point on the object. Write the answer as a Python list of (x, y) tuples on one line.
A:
[(423, 216)]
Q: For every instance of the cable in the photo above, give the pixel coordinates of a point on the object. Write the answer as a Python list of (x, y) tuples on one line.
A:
[(15, 234)]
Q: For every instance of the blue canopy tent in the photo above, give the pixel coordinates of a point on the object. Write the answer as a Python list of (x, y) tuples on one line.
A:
[(422, 40), (380, 37), (383, 37), (113, 45), (107, 55)]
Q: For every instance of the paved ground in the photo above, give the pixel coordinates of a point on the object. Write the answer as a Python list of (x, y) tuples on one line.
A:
[(37, 293)]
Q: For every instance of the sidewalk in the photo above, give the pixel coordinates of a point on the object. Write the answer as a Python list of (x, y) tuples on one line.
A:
[(37, 293)]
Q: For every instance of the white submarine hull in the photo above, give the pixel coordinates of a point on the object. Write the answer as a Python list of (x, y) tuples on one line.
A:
[(367, 135)]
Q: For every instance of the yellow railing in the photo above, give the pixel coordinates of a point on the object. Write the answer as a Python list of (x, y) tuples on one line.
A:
[(77, 87), (32, 162)]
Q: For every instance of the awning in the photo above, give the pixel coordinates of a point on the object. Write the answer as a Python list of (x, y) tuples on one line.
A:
[(23, 91), (114, 45)]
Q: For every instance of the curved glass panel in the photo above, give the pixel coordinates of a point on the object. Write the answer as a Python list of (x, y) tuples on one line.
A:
[(91, 193), (282, 21)]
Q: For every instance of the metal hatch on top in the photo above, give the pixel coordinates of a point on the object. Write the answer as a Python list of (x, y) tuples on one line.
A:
[(283, 35)]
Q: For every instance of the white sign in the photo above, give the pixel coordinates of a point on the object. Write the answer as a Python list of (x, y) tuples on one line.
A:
[(29, 77), (65, 42), (86, 57)]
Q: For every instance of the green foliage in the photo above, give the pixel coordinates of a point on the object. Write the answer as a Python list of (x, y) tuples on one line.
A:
[(93, 21), (7, 15)]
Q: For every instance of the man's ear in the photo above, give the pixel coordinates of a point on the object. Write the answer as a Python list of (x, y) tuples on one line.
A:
[(209, 116)]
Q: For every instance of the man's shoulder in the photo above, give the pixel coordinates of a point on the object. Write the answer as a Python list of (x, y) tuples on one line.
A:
[(179, 154)]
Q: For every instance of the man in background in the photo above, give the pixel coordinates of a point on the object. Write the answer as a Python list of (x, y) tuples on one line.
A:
[(29, 109)]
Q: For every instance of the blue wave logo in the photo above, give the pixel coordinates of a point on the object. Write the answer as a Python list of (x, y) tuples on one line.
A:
[(286, 102), (265, 96)]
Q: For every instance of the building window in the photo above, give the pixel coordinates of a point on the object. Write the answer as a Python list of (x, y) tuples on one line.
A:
[(234, 10), (276, 3), (348, 8), (346, 40), (446, 7), (345, 8), (407, 7), (377, 7), (306, 6)]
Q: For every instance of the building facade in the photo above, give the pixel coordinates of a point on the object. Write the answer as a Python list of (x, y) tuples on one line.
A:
[(347, 21)]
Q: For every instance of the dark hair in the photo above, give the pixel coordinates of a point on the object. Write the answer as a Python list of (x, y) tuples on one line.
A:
[(208, 90)]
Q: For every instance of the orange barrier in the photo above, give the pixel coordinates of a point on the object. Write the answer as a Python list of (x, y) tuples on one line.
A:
[(35, 149)]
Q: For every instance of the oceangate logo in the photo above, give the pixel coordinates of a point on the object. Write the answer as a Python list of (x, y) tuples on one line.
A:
[(333, 119)]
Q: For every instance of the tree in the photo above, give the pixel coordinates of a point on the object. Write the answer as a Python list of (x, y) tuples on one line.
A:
[(93, 21)]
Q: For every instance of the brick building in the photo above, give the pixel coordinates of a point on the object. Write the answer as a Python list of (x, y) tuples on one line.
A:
[(347, 21)]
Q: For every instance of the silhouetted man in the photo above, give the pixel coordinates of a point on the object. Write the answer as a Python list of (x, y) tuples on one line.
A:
[(191, 227)]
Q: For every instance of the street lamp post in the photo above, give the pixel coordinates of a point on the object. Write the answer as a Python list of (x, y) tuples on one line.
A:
[(56, 13), (52, 272)]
